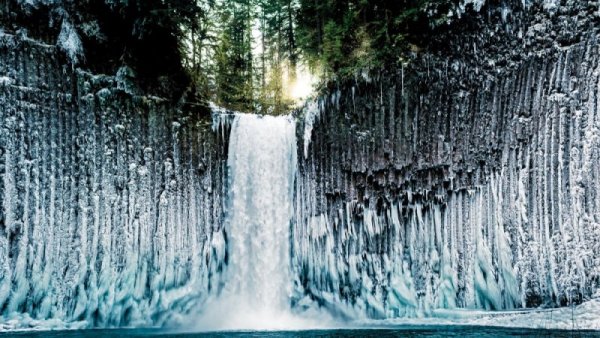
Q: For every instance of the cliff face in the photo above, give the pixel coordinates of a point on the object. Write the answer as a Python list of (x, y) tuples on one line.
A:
[(107, 199), (467, 178)]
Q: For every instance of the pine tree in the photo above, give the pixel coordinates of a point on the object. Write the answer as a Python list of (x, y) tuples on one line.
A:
[(234, 57)]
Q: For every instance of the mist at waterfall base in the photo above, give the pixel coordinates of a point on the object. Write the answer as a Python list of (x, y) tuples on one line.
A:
[(257, 282), (405, 331)]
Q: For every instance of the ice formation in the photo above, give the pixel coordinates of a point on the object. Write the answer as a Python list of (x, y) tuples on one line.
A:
[(104, 212), (407, 263), (311, 115), (69, 42), (390, 201), (492, 202)]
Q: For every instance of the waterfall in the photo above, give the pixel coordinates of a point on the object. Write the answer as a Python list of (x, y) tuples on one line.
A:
[(257, 280), (469, 181)]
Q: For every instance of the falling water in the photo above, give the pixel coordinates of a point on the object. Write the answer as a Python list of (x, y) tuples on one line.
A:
[(257, 280)]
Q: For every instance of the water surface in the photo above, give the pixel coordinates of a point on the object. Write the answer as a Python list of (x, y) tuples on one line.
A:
[(404, 331)]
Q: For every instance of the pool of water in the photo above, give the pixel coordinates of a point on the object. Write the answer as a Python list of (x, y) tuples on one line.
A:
[(403, 331)]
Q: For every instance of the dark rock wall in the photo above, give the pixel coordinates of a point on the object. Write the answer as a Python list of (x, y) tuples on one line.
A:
[(108, 200), (467, 178)]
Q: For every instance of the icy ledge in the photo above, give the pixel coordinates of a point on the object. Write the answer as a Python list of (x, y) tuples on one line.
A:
[(585, 316), (24, 322), (582, 317)]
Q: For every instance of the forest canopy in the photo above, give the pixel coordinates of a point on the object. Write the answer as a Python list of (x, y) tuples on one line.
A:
[(243, 54)]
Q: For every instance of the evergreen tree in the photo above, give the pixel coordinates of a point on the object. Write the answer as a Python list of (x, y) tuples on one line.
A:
[(345, 35), (234, 57), (243, 54)]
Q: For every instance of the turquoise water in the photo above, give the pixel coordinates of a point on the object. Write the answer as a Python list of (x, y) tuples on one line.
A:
[(404, 331)]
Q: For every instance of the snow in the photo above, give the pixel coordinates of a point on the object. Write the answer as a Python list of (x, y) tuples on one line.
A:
[(24, 322), (222, 120), (110, 251), (126, 81), (312, 111), (550, 5), (36, 3), (6, 81), (69, 42), (547, 5), (477, 4), (582, 317), (585, 316)]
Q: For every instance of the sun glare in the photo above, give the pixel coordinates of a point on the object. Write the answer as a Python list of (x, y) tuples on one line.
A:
[(303, 86)]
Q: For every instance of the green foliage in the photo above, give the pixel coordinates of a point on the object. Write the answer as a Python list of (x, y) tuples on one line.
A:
[(143, 35), (346, 35), (240, 53), (234, 59), (242, 60)]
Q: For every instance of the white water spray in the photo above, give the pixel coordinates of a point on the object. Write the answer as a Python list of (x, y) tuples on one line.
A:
[(257, 281)]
